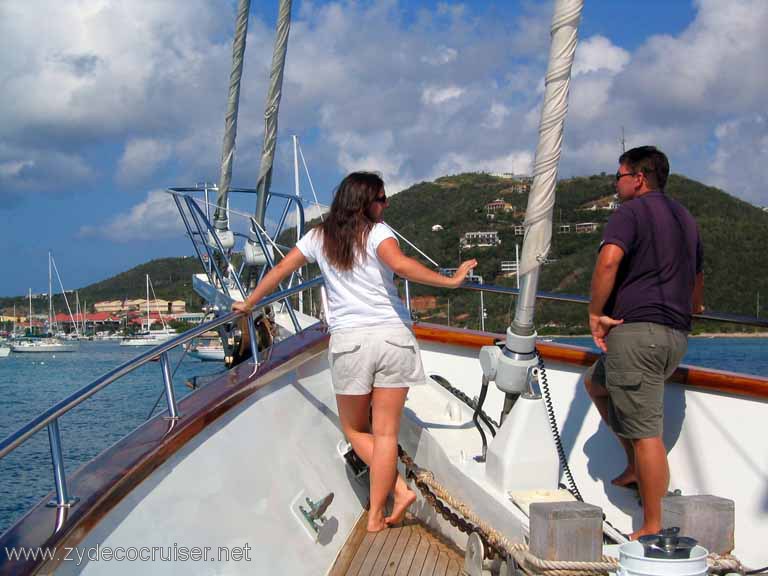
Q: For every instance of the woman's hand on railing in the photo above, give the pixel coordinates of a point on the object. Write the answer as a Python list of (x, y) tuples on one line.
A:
[(462, 271), (241, 307)]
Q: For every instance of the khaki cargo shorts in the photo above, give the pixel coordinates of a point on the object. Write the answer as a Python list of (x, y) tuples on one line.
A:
[(364, 358), (641, 357)]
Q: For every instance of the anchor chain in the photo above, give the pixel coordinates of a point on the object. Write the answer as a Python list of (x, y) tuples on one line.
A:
[(462, 524), (494, 543), (464, 398)]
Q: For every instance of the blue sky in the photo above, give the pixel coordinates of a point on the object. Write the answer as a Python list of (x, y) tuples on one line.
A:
[(106, 103)]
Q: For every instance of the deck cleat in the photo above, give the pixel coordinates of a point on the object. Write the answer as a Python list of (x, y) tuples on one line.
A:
[(314, 512)]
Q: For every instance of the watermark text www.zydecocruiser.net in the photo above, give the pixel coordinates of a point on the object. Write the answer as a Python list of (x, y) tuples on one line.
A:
[(99, 553)]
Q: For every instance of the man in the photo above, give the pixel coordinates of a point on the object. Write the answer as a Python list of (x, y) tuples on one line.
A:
[(647, 282)]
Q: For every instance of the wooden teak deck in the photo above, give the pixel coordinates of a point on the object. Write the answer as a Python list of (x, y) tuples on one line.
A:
[(407, 550)]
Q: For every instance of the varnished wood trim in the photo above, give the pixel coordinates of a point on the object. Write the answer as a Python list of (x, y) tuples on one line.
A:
[(104, 481), (706, 378)]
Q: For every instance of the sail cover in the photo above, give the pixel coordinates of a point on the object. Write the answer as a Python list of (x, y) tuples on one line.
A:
[(230, 121), (541, 201), (272, 108)]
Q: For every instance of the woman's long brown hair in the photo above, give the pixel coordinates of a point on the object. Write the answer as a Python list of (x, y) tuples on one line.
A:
[(345, 231)]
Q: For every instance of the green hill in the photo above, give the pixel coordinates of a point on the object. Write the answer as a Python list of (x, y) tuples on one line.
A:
[(171, 278), (733, 232), (734, 235)]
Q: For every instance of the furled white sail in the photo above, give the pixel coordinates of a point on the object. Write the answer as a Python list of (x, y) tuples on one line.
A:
[(233, 103), (541, 201), (272, 108)]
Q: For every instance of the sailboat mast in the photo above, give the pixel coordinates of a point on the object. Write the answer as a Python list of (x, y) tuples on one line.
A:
[(30, 311), (147, 302), (298, 208), (541, 201), (512, 369), (50, 294)]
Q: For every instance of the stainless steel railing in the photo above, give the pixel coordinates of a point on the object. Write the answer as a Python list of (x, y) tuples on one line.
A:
[(50, 417), (573, 298)]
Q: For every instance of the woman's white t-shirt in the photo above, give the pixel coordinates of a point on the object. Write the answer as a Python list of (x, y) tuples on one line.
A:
[(365, 296)]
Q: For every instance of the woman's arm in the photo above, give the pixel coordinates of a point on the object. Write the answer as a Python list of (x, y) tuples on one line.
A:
[(289, 264), (389, 252)]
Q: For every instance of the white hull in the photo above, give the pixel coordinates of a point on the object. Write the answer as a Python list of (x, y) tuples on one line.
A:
[(208, 353), (43, 348), (301, 460), (4, 351), (152, 340), (290, 433)]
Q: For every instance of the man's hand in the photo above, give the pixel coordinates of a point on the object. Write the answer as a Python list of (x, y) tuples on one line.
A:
[(600, 325)]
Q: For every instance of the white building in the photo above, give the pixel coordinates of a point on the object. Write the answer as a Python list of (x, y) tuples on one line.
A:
[(508, 267), (480, 239), (586, 227)]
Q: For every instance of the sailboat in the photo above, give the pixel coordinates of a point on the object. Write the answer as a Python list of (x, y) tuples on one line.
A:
[(148, 337), (208, 348), (282, 492), (49, 344)]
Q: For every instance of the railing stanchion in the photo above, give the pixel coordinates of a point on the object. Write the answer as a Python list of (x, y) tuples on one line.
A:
[(254, 343), (408, 296), (170, 396), (482, 312), (63, 499)]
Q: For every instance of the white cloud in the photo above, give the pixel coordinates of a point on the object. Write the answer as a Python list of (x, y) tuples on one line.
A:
[(715, 66), (519, 162), (375, 154), (440, 94), (598, 53), (741, 157), (496, 115), (452, 90), (441, 55), (141, 157), (155, 218), (14, 167), (25, 168), (311, 212)]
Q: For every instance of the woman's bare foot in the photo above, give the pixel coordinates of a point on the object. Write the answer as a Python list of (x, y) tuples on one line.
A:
[(626, 479), (402, 502), (376, 522)]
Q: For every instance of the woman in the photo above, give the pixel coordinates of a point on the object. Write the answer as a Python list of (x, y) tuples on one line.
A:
[(373, 354)]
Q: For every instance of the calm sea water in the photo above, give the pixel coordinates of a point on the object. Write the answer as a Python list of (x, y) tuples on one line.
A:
[(30, 383)]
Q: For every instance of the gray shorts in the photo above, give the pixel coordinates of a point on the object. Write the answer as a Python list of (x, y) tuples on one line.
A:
[(641, 357), (364, 358)]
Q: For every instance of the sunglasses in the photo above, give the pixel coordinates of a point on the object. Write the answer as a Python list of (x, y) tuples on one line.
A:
[(381, 199), (619, 175)]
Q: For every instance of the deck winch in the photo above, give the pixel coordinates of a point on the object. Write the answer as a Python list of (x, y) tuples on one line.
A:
[(663, 553)]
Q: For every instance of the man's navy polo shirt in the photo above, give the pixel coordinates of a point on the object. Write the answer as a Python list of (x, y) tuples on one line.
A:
[(662, 255)]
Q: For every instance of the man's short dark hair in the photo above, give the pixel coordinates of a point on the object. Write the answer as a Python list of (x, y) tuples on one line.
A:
[(649, 160)]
